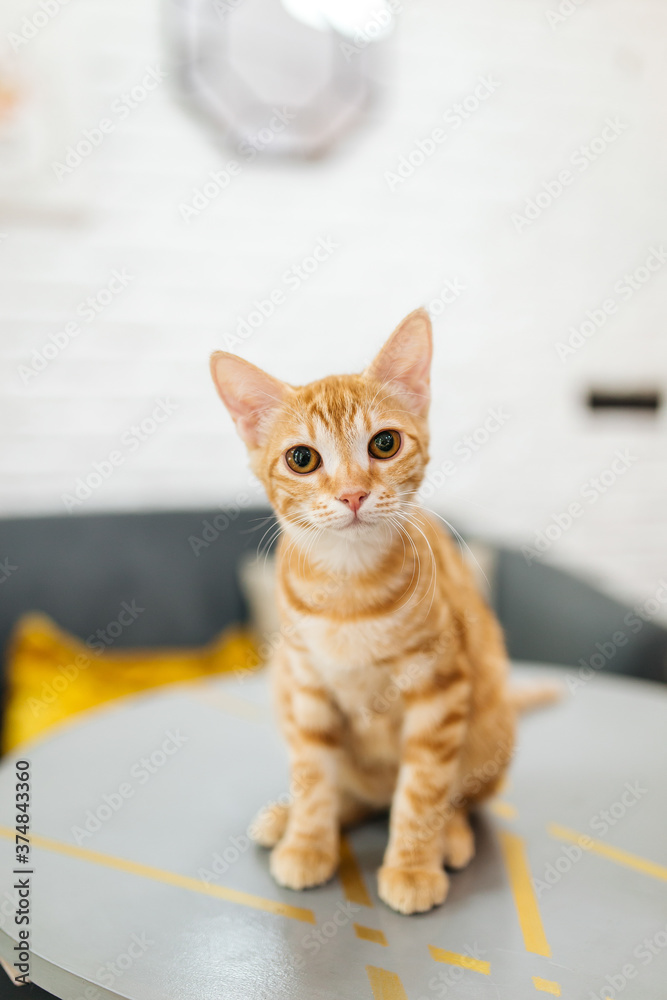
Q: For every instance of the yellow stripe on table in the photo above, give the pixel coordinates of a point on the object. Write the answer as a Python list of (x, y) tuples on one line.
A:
[(616, 854), (167, 878), (503, 809), (464, 961), (546, 986), (385, 985), (518, 870), (350, 876), (370, 934)]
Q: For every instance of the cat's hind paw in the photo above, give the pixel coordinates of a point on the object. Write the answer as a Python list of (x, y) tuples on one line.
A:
[(269, 825), (411, 890), (459, 843)]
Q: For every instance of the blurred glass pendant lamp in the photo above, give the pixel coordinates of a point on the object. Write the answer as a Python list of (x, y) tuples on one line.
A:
[(286, 76)]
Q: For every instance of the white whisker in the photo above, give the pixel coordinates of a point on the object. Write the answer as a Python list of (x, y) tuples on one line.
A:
[(459, 537)]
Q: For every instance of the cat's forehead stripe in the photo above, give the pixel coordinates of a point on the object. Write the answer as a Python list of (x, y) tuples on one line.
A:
[(337, 406)]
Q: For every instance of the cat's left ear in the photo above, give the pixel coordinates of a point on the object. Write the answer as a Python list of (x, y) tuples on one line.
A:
[(404, 363)]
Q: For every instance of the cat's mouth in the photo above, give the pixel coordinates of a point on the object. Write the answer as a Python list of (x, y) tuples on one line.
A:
[(350, 524), (354, 522), (357, 522)]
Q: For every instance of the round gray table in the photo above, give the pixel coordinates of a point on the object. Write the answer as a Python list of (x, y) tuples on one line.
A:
[(144, 884)]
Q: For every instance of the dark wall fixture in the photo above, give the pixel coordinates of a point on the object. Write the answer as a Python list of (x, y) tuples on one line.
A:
[(644, 401)]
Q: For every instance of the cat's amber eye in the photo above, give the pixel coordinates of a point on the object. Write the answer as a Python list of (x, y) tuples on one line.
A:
[(385, 444), (303, 459)]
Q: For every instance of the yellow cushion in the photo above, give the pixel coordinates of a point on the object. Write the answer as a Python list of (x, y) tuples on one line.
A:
[(52, 675)]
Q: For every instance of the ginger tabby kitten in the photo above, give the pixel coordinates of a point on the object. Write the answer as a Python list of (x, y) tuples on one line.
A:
[(392, 681)]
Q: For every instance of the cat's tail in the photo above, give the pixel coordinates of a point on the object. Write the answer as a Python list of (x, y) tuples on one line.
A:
[(529, 696)]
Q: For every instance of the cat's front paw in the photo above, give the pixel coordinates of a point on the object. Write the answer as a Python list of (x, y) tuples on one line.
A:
[(302, 867), (410, 890)]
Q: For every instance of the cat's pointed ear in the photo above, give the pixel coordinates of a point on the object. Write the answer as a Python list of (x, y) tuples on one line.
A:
[(404, 362), (251, 396)]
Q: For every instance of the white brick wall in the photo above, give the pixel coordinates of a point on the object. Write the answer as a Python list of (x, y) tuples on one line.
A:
[(451, 220)]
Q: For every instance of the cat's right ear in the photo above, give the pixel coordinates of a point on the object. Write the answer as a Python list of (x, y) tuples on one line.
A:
[(251, 396)]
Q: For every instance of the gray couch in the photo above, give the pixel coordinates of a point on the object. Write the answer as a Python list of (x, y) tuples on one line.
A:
[(181, 569)]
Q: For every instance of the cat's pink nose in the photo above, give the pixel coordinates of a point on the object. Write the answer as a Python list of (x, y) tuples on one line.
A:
[(353, 500)]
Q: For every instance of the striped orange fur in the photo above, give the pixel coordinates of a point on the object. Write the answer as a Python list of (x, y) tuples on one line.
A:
[(391, 682)]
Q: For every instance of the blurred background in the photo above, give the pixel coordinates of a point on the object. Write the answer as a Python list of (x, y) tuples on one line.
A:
[(287, 180)]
